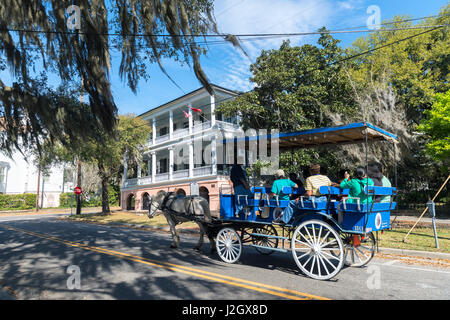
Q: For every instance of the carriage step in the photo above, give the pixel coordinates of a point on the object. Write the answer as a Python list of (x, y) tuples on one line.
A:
[(268, 236), (269, 248)]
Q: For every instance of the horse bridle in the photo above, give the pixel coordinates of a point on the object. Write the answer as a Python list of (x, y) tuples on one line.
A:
[(152, 206)]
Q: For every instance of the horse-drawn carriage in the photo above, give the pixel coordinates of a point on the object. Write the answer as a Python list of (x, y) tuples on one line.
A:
[(322, 236)]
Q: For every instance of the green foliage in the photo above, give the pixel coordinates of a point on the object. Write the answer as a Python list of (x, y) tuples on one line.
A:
[(437, 126), (295, 88), (417, 68), (84, 57), (17, 201)]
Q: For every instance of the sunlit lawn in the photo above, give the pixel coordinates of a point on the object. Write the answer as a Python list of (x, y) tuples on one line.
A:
[(420, 238), (126, 217)]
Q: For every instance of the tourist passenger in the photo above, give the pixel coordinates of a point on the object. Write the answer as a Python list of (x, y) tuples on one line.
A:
[(356, 185), (376, 173), (238, 177), (280, 183), (315, 181)]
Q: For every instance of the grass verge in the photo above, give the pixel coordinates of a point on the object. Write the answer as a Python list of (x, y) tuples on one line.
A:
[(125, 217)]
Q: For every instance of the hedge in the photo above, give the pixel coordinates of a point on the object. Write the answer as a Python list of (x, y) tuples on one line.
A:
[(22, 201), (67, 199)]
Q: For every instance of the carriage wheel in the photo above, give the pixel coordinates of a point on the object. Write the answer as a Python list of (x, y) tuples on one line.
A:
[(317, 249), (265, 241), (245, 235), (358, 252), (229, 245)]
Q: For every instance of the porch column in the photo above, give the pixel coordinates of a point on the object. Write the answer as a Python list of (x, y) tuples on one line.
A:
[(213, 155), (153, 166), (139, 170), (170, 163), (213, 108), (170, 124), (191, 159), (149, 167), (154, 131), (190, 119)]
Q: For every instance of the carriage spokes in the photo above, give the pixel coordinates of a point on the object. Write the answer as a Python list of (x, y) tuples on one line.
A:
[(317, 249), (228, 245)]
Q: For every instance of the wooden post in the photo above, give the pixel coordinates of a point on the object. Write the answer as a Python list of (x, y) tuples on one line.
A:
[(426, 209)]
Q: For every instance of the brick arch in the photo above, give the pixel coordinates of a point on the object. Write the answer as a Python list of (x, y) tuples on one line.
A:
[(130, 202), (204, 192), (145, 200)]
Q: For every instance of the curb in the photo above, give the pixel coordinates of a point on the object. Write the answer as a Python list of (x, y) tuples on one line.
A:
[(415, 253)]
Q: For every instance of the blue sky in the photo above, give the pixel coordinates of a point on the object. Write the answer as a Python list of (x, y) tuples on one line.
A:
[(227, 67)]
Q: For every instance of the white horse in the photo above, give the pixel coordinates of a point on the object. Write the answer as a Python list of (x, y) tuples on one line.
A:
[(178, 209)]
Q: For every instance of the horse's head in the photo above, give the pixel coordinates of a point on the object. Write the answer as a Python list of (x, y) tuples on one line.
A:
[(155, 203)]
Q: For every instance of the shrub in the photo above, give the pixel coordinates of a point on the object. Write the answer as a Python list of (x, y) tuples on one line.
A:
[(17, 201)]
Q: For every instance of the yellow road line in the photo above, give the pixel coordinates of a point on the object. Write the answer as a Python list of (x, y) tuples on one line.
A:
[(256, 286)]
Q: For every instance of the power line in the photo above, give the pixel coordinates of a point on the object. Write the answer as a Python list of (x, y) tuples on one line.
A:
[(221, 35), (331, 63), (270, 36)]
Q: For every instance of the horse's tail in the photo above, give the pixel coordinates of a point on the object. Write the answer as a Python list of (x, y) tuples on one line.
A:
[(206, 212)]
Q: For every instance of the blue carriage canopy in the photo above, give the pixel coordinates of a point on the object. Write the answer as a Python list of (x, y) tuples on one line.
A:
[(344, 134)]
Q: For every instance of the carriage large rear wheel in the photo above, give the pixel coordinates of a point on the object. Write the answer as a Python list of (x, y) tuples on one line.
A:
[(359, 250), (228, 245), (317, 249)]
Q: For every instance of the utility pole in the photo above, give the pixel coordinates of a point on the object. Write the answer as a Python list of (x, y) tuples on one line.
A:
[(78, 196), (79, 185)]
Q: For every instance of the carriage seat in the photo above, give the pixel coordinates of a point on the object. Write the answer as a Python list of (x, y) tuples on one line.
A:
[(356, 206)]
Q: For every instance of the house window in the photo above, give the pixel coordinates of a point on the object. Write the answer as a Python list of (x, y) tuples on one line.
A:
[(2, 174), (163, 131), (163, 166), (3, 171)]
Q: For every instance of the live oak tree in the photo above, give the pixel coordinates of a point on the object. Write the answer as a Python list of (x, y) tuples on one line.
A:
[(295, 88), (34, 36), (129, 136)]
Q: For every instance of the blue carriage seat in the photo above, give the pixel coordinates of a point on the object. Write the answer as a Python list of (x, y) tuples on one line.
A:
[(371, 216), (311, 204)]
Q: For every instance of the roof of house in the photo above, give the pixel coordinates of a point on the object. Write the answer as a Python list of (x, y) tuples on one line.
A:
[(233, 92)]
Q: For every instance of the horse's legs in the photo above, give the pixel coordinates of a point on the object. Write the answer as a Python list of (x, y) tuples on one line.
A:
[(175, 237), (207, 231), (202, 233)]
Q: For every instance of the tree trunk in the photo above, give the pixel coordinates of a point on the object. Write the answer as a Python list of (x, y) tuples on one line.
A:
[(105, 191)]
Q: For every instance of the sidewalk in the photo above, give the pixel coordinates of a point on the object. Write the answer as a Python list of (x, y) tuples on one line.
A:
[(427, 220)]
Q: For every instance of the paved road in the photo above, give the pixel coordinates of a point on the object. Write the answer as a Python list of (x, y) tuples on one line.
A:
[(121, 263)]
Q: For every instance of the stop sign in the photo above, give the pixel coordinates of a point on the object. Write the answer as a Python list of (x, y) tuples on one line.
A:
[(77, 190)]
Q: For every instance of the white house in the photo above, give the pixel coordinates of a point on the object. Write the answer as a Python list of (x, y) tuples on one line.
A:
[(17, 175), (182, 153)]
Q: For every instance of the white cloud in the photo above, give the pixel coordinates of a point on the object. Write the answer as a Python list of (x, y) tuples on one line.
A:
[(230, 67)]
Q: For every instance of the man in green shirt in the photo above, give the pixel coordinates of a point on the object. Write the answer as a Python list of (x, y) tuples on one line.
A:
[(280, 183)]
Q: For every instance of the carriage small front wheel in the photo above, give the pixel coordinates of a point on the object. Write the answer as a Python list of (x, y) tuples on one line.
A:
[(229, 245), (317, 249)]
